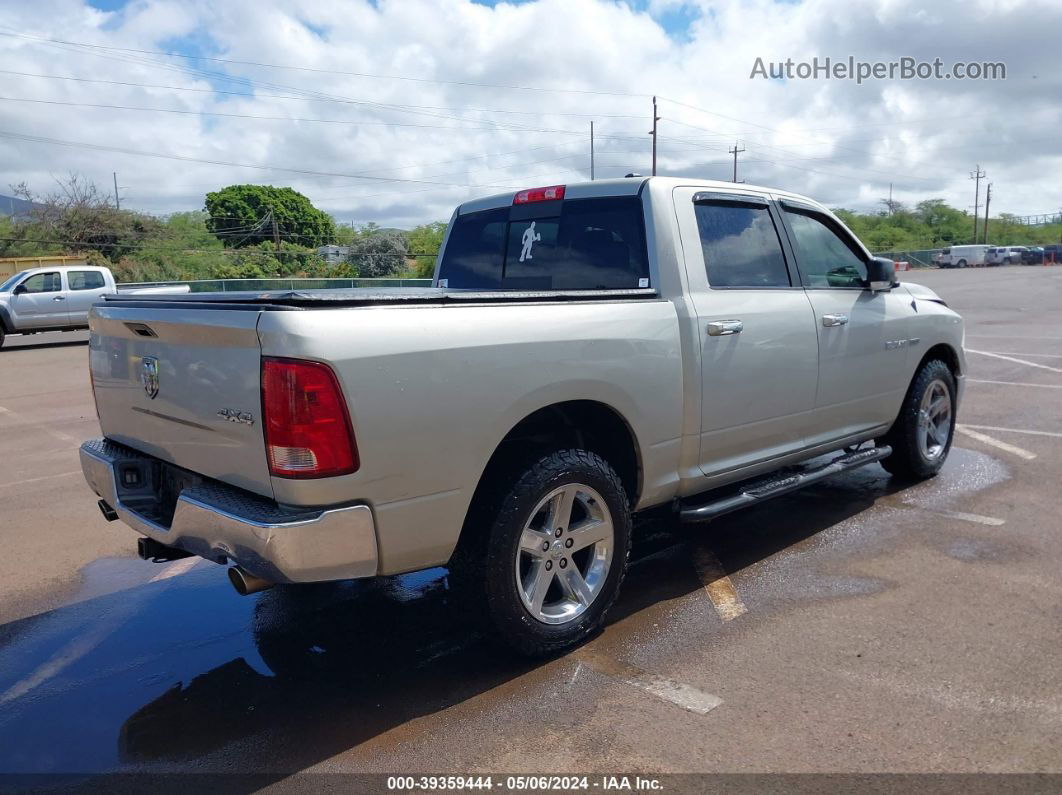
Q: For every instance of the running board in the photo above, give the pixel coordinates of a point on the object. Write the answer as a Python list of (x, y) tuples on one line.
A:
[(777, 485)]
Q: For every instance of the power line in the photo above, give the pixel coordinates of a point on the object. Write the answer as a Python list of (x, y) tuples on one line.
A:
[(328, 71), (141, 153)]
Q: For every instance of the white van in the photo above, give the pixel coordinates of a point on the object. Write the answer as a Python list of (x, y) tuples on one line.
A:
[(961, 256)]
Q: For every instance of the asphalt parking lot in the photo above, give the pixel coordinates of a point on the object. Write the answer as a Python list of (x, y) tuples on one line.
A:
[(860, 626)]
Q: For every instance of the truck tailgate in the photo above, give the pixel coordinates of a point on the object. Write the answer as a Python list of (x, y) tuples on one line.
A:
[(183, 385)]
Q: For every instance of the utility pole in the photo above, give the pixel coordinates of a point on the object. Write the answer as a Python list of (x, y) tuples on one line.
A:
[(117, 202), (653, 133), (977, 175), (890, 198), (988, 201), (735, 151), (591, 151), (276, 231)]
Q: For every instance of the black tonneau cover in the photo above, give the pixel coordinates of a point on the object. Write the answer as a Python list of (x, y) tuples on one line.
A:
[(306, 299)]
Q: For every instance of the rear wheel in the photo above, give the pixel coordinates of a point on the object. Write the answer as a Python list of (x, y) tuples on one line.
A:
[(1, 336), (922, 434), (556, 552)]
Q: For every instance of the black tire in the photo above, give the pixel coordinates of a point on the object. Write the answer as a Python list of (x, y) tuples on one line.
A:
[(512, 505), (909, 458), (1, 336), (961, 264)]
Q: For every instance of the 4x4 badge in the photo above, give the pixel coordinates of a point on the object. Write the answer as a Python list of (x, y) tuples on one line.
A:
[(233, 415), (149, 376)]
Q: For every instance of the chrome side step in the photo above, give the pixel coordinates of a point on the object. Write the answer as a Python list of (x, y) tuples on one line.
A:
[(776, 485)]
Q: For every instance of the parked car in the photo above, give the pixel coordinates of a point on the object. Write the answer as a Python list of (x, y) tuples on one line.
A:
[(51, 298), (1004, 255), (1053, 255), (590, 351), (58, 298), (961, 256), (1033, 255)]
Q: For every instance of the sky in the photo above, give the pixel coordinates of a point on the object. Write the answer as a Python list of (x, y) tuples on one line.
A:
[(395, 111)]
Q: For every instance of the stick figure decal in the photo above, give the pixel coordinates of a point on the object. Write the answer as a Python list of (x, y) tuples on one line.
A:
[(528, 240)]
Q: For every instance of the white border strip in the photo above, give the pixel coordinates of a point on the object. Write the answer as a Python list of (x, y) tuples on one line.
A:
[(989, 440)]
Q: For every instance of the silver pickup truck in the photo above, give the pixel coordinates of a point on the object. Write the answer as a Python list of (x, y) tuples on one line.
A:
[(589, 351)]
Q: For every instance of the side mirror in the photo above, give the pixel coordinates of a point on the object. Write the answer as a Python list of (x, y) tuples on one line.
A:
[(19, 290), (881, 274)]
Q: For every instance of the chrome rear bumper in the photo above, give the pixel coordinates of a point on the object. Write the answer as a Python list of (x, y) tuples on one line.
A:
[(220, 522)]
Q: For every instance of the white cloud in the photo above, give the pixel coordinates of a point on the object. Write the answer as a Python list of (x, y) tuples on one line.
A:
[(840, 142)]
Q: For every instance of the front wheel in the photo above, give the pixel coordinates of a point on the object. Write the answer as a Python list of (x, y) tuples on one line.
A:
[(557, 552), (961, 264), (922, 434)]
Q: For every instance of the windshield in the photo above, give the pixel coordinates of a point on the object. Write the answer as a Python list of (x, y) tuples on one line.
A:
[(11, 282)]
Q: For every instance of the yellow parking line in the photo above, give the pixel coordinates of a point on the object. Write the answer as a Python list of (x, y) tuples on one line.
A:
[(717, 584)]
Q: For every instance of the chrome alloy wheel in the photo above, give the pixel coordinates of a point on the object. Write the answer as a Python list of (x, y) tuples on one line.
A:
[(565, 554), (934, 420)]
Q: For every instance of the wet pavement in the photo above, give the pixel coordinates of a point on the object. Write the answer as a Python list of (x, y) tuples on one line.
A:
[(871, 625)]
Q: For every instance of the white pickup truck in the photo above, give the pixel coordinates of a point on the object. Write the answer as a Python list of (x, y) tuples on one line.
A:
[(58, 297), (589, 351)]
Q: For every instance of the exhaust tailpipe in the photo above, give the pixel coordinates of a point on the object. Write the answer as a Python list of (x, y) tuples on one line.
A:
[(108, 512), (246, 583), (150, 549)]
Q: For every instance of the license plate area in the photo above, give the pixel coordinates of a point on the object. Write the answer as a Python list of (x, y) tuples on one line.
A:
[(150, 488)]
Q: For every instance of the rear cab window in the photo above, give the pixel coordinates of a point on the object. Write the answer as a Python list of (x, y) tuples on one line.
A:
[(566, 244)]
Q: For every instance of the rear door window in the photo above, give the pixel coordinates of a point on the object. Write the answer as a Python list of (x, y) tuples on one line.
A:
[(740, 245), (572, 244), (85, 280)]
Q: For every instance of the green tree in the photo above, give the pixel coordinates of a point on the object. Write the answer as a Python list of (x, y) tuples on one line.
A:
[(426, 239), (244, 215), (378, 253)]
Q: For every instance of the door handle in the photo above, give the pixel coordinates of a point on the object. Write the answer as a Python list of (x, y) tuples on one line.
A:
[(835, 320), (59, 298), (724, 328)]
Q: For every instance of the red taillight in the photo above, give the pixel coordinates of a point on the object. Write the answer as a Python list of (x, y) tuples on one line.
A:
[(549, 194), (307, 428)]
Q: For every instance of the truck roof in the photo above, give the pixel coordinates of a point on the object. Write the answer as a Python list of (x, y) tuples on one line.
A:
[(628, 186)]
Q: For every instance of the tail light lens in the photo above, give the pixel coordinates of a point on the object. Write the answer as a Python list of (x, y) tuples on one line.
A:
[(307, 427)]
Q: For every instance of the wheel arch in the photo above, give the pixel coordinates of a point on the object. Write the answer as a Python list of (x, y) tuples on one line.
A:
[(583, 424), (947, 354)]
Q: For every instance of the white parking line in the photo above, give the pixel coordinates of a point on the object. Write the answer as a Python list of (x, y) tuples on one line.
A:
[(43, 477), (678, 693), (63, 437), (1012, 337), (989, 440), (1016, 361), (1042, 355), (176, 568), (717, 584), (1012, 383), (976, 518), (1015, 430)]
